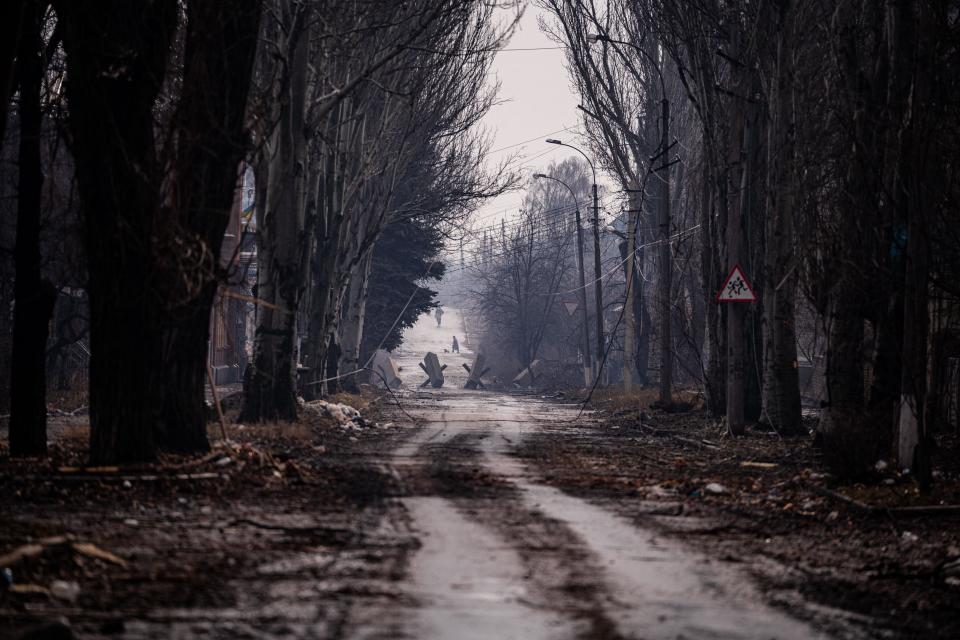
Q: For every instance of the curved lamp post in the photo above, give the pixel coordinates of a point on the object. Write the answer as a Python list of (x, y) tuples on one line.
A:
[(597, 274), (587, 367), (666, 259)]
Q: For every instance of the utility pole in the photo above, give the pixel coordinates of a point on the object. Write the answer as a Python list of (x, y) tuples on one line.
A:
[(596, 250), (666, 262), (630, 329), (598, 276), (587, 365)]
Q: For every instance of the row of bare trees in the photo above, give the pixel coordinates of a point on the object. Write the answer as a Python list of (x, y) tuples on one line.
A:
[(811, 142), (352, 116), (520, 275)]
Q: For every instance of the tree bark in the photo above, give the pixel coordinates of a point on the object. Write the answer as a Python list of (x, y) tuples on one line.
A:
[(665, 252), (117, 55), (34, 295), (781, 382), (351, 327), (220, 45), (270, 392), (11, 23)]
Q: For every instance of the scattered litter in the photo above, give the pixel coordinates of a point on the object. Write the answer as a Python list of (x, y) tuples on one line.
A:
[(130, 522), (127, 484), (659, 491), (65, 590), (715, 488), (881, 466), (345, 415), (908, 537), (750, 464)]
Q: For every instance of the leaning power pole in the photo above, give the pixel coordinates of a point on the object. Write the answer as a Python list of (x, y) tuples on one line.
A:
[(598, 275), (630, 373), (666, 261)]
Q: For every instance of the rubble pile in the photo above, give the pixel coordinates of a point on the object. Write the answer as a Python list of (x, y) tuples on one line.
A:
[(344, 415)]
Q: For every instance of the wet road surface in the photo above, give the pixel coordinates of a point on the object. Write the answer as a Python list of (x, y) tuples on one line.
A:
[(503, 555)]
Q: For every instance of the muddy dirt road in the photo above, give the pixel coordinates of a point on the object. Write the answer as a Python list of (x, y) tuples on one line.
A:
[(505, 556)]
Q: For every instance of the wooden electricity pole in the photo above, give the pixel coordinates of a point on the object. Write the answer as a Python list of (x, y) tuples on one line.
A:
[(629, 314), (666, 261)]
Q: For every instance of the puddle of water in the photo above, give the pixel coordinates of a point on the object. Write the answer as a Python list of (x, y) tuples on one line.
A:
[(469, 582)]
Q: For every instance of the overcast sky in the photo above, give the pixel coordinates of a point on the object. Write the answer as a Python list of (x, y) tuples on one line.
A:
[(538, 102)]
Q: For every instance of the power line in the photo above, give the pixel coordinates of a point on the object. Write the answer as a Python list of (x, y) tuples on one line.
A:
[(540, 137)]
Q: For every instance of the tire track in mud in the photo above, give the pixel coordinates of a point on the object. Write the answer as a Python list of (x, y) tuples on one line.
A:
[(562, 575)]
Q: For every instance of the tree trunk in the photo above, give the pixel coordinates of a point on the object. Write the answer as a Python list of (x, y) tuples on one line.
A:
[(665, 252), (183, 418), (631, 318), (270, 392), (351, 326), (711, 274), (220, 47), (781, 381), (34, 296), (116, 60), (11, 24)]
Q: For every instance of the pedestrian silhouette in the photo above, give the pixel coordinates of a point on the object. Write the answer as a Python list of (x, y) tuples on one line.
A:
[(439, 315), (456, 345)]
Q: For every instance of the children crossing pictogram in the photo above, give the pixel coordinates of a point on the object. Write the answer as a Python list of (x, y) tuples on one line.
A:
[(736, 288)]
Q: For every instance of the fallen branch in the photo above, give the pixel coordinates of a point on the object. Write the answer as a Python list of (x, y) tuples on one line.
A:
[(895, 512), (699, 443), (93, 551), (34, 549), (750, 464)]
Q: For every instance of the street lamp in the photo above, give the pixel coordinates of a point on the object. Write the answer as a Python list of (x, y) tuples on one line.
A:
[(666, 259), (597, 284), (587, 368)]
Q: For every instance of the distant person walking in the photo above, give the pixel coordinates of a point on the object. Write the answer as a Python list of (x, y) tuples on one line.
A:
[(456, 345), (439, 315)]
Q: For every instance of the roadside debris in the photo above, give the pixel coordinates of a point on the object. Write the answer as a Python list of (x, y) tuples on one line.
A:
[(44, 545), (345, 415), (715, 488), (66, 590)]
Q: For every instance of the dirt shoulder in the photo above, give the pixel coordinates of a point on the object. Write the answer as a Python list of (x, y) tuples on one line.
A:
[(765, 502), (278, 531)]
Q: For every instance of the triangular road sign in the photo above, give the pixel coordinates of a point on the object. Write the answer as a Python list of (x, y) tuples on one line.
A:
[(736, 288), (571, 306)]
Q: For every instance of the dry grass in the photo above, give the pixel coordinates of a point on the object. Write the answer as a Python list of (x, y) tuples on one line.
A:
[(75, 432), (355, 400), (300, 431), (616, 399)]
